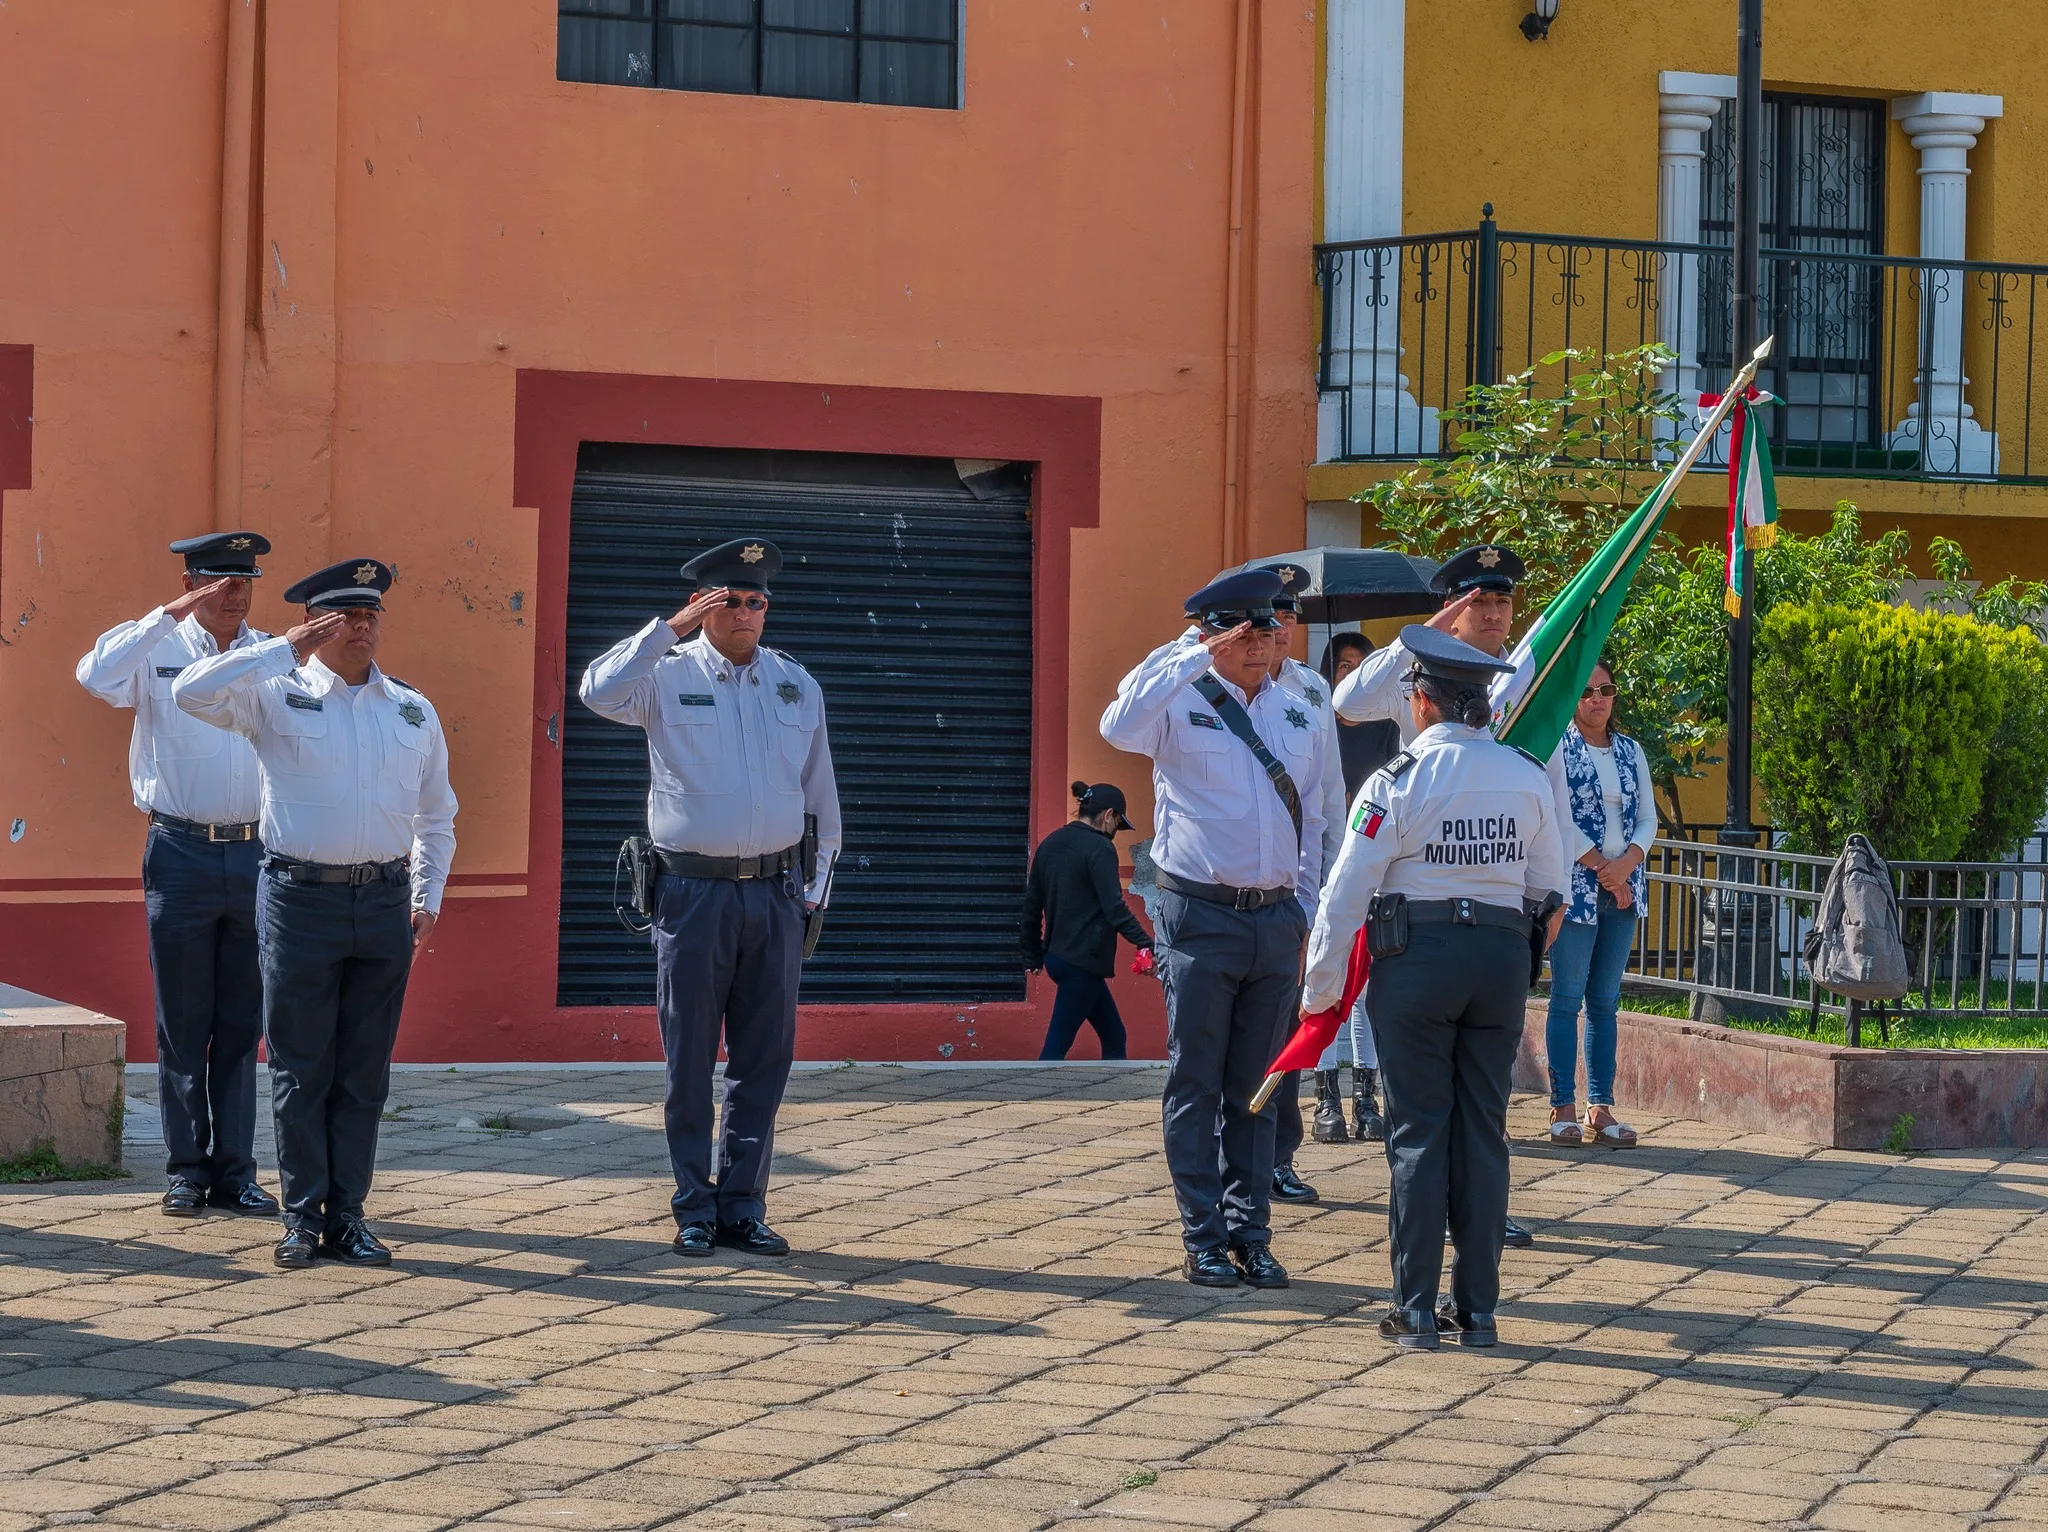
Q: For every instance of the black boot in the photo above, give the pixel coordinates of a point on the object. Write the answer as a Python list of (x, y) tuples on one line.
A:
[(1329, 1127), (1367, 1125)]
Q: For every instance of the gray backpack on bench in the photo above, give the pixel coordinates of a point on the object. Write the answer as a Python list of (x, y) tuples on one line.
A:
[(1854, 947)]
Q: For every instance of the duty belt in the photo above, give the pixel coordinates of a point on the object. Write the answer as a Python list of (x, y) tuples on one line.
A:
[(1468, 912), (354, 874), (688, 864), (198, 831), (1223, 893)]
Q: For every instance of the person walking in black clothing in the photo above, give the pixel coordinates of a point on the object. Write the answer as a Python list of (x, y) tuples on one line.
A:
[(1073, 909)]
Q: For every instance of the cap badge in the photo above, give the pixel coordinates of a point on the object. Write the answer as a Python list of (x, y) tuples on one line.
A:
[(753, 553), (1488, 557), (365, 573), (1286, 576), (412, 713), (240, 544)]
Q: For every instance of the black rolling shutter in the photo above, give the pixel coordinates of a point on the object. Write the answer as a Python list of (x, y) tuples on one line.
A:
[(908, 597)]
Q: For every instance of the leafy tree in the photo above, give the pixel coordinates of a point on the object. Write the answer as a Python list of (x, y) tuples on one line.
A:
[(1876, 719)]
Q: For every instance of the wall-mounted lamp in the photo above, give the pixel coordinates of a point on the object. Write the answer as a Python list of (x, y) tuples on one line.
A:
[(1536, 25)]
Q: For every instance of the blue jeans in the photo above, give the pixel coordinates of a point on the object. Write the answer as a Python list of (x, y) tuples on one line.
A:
[(1586, 964), (1083, 997)]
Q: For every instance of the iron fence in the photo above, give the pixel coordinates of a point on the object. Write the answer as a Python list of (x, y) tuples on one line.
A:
[(1886, 366), (1732, 922)]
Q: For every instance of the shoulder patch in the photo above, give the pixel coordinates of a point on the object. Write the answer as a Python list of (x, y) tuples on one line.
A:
[(1531, 759), (407, 685), (1399, 766)]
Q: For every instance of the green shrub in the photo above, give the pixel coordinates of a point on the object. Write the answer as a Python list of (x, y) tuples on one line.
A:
[(1875, 719), (2015, 786)]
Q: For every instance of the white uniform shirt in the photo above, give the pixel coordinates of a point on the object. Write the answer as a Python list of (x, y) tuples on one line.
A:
[(1373, 690), (349, 776), (1613, 841), (737, 754), (1215, 816), (176, 764), (1310, 685), (1470, 819)]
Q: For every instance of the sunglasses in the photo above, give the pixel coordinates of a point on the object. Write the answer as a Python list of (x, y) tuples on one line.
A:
[(751, 603), (1604, 689)]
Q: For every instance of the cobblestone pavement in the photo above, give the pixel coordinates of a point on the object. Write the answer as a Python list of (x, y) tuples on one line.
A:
[(982, 1331)]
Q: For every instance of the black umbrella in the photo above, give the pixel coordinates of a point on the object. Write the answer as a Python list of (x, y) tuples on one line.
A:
[(1360, 584)]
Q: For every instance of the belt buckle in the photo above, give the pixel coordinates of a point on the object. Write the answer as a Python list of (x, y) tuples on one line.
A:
[(361, 874), (213, 834), (749, 867), (1248, 898)]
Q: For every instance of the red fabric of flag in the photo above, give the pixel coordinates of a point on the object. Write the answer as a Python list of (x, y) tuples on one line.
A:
[(1317, 1032)]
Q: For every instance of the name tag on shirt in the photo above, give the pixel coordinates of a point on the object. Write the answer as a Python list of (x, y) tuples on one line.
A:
[(1205, 720), (303, 704), (696, 699), (165, 672)]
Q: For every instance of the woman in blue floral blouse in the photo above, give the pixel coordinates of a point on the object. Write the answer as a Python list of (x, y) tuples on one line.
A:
[(1609, 818)]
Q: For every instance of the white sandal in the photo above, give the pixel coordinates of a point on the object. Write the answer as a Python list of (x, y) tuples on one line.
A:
[(1567, 1134), (1615, 1135)]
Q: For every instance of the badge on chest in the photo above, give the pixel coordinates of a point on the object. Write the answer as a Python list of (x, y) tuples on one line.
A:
[(412, 713)]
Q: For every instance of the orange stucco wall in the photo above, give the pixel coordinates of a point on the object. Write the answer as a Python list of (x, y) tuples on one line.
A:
[(434, 211)]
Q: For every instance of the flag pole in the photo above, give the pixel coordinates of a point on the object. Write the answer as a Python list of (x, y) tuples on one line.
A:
[(1667, 487)]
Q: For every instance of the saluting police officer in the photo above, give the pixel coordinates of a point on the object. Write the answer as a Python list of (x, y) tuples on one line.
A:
[(1238, 843), (1309, 685), (1477, 586), (199, 788), (738, 757), (358, 831), (1453, 861)]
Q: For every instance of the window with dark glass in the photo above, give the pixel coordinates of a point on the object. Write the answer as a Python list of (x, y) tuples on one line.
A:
[(890, 52)]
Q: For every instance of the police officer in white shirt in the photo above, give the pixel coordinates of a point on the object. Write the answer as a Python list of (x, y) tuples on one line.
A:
[(1295, 579), (1237, 874), (1478, 590), (358, 832), (738, 758), (1454, 863), (199, 788)]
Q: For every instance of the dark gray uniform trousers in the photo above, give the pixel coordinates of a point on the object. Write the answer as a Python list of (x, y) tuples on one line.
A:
[(1230, 978), (335, 963), (1447, 1015), (200, 898), (728, 955)]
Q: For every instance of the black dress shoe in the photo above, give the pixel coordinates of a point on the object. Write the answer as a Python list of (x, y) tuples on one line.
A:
[(1515, 1237), (1210, 1268), (751, 1236), (1289, 1187), (693, 1239), (183, 1199), (299, 1247), (248, 1198), (349, 1240), (1467, 1328), (1255, 1264), (1410, 1329)]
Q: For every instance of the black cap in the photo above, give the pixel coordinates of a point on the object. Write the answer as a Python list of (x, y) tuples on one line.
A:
[(745, 563), (1245, 596), (1486, 567), (1294, 584), (220, 555), (1444, 658), (1095, 799), (350, 584)]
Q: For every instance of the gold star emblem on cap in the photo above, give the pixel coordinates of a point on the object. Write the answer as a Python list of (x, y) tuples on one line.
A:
[(753, 553), (1286, 576), (240, 544), (365, 573), (1488, 557)]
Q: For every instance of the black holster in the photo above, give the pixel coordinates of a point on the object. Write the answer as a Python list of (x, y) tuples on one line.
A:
[(807, 851), (1539, 934), (1386, 925), (643, 869)]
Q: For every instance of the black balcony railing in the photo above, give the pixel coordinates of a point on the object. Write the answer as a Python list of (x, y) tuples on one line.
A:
[(1886, 366)]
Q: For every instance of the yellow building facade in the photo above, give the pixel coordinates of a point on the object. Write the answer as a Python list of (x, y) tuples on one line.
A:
[(1907, 187)]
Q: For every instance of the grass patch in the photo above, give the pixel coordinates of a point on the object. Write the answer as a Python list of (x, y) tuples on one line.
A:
[(1742, 1422), (1144, 1478), (1906, 1031), (1899, 1140), (43, 1164)]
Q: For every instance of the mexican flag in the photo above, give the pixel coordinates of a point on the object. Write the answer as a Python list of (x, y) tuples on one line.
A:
[(1752, 495)]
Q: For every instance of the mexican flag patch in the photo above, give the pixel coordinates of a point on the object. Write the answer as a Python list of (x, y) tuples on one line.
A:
[(1368, 818)]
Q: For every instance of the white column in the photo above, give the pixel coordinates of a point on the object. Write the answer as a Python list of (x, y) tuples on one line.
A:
[(1940, 426), (1686, 107), (1362, 200)]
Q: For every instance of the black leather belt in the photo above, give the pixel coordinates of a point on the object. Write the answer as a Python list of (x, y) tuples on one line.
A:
[(198, 831), (688, 864), (354, 874), (1468, 912), (1223, 893)]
